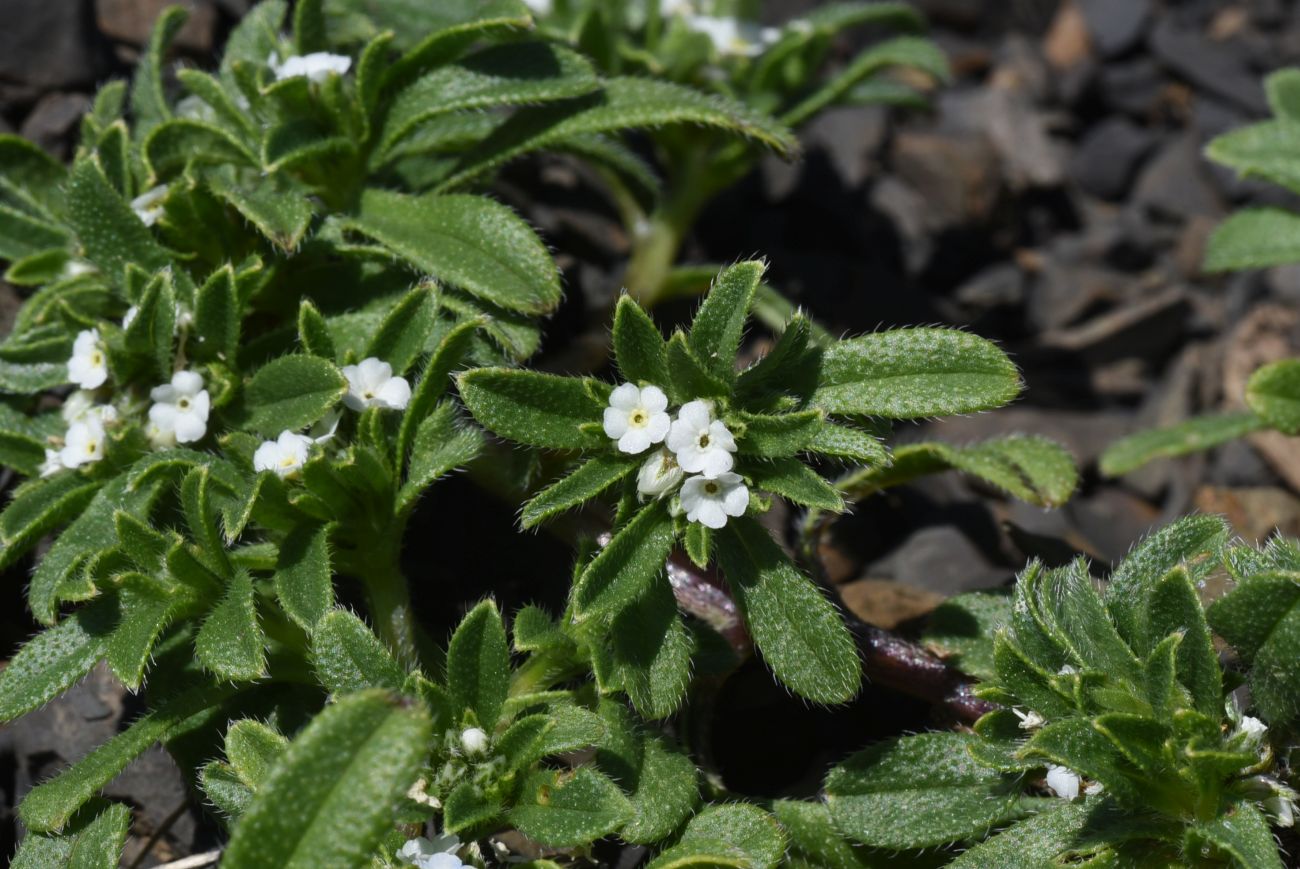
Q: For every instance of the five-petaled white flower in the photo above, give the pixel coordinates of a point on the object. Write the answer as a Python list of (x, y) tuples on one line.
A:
[(474, 740), (1063, 782), (703, 445), (83, 443), (285, 455), (636, 417), (316, 66), (88, 367), (372, 384), (710, 501), (659, 475), (733, 37), (148, 206), (438, 854), (181, 407)]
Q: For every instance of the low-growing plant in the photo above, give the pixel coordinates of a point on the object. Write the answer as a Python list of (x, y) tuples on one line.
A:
[(785, 73), (1255, 237)]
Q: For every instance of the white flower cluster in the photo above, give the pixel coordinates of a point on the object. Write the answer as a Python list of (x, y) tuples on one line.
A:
[(439, 853), (370, 384), (694, 443), (316, 66), (731, 37), (179, 413)]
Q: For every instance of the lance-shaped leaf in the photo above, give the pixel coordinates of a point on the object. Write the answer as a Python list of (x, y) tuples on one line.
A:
[(38, 508), (434, 382), (650, 652), (303, 577), (231, 643), (1273, 392), (1254, 238), (448, 29), (53, 660), (349, 657), (331, 797), (623, 103), (27, 171), (585, 482), (31, 366), (795, 481), (1240, 835), (801, 636), (281, 213), (442, 444), (905, 51), (292, 392), (917, 792), (639, 347), (109, 231), (720, 321), (51, 804), (624, 570), (1175, 608), (661, 782), (779, 435), (1191, 436), (961, 629), (478, 664), (1030, 843), (1264, 150), (569, 809), (516, 74), (915, 373), (479, 245), (1260, 617), (540, 410), (733, 835), (181, 142), (216, 317), (406, 330), (92, 840)]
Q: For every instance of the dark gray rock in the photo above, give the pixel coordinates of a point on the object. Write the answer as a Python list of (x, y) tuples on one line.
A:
[(939, 559), (957, 176), (1109, 156), (1237, 464), (53, 122), (1135, 87), (1000, 285), (1220, 68), (1175, 185), (1066, 290), (1115, 25), (851, 137), (51, 44)]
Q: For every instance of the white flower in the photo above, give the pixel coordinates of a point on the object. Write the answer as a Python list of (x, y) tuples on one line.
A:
[(148, 205), (711, 501), (75, 268), (637, 417), (474, 740), (539, 7), (77, 405), (1253, 728), (1030, 720), (1063, 782), (703, 444), (325, 428), (1275, 798), (733, 37), (286, 455), (317, 66), (372, 384), (160, 438), (53, 463), (438, 854), (181, 407), (659, 475), (84, 443), (88, 367)]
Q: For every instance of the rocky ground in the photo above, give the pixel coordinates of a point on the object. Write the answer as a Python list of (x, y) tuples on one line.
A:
[(1056, 200)]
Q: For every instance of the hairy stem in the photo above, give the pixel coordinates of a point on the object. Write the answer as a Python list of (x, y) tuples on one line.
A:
[(389, 601)]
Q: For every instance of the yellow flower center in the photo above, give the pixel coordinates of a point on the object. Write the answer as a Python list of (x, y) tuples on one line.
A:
[(711, 488), (638, 418)]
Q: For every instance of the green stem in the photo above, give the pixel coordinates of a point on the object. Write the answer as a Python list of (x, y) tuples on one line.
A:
[(389, 599)]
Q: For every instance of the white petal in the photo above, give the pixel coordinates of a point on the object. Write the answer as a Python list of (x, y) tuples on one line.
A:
[(720, 436), (714, 462), (189, 428), (164, 416), (267, 456), (615, 421), (87, 341), (395, 394), (681, 435), (696, 414), (200, 405), (634, 440), (708, 513), (374, 372), (1062, 782), (658, 427), (353, 401), (653, 399), (691, 458), (187, 382), (625, 397), (736, 501)]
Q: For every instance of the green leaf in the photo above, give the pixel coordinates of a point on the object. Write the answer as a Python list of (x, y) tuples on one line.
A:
[(736, 834), (93, 840), (1283, 90), (795, 481), (434, 382), (148, 98), (281, 213), (622, 104), (55, 659), (529, 73), (1254, 238), (313, 333), (569, 809), (25, 167), (176, 144), (448, 29), (639, 347), (231, 643), (1187, 540), (147, 607), (1193, 435), (814, 838), (699, 543), (1240, 835), (472, 242), (1263, 150), (906, 51), (575, 488), (303, 579), (467, 806), (720, 321), (51, 804), (961, 630), (915, 373), (309, 27), (441, 445), (224, 790), (917, 792), (253, 750), (1175, 608), (332, 797), (110, 233), (216, 317), (650, 652), (631, 562), (1076, 743), (292, 392), (688, 378), (349, 657), (1032, 843), (402, 336), (152, 332), (778, 436), (1273, 392), (478, 664), (798, 631), (540, 410), (660, 781), (1260, 617), (34, 366), (38, 508)]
